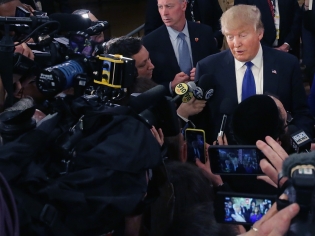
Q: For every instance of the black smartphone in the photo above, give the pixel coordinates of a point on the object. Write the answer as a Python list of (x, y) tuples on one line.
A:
[(21, 12), (195, 141), (235, 159), (240, 208)]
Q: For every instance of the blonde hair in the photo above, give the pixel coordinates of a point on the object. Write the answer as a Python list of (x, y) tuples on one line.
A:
[(240, 15)]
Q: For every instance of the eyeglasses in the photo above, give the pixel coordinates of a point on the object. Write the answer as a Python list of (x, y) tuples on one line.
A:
[(83, 12)]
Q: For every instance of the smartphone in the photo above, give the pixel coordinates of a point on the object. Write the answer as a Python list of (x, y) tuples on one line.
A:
[(235, 159), (240, 208), (195, 141), (21, 12)]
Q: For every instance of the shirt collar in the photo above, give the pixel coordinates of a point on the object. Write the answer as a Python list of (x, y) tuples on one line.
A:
[(257, 60), (173, 33)]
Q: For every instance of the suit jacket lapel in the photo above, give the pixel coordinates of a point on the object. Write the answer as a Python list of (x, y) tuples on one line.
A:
[(168, 49), (228, 74), (194, 38), (270, 76)]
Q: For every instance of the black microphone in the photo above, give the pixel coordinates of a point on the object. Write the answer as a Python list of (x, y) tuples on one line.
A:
[(97, 28), (148, 98), (300, 141), (226, 109), (205, 87)]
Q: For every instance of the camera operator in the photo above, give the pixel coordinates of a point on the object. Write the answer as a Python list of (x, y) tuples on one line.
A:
[(26, 51)]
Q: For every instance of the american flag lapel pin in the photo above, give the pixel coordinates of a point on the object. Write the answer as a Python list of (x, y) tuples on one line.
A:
[(196, 39), (274, 72)]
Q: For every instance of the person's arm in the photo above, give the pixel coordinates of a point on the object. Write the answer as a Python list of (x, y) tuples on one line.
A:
[(276, 155), (191, 108), (295, 27)]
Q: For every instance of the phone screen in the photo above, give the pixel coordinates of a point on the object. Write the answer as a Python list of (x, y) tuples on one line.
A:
[(235, 160), (195, 140), (241, 208)]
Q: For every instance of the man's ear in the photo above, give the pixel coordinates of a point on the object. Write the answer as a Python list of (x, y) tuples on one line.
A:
[(260, 33), (18, 90), (184, 5)]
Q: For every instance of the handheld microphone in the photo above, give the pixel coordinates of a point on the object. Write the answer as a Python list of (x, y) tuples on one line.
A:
[(205, 87), (300, 141), (97, 28), (226, 109), (184, 92)]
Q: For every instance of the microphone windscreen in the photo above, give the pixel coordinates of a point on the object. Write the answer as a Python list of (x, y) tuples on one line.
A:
[(71, 22), (297, 159), (226, 106), (206, 82), (148, 99), (191, 85)]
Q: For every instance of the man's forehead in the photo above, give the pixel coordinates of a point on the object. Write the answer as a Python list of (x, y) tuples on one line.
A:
[(167, 2)]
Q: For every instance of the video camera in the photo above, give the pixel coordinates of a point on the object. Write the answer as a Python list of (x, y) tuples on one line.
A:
[(300, 189)]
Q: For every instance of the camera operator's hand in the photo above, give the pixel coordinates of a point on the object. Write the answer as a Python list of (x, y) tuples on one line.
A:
[(206, 170), (24, 50), (190, 108), (274, 223), (179, 78), (28, 8), (158, 135), (276, 155)]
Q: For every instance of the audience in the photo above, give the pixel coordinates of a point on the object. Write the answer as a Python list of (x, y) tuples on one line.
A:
[(282, 23)]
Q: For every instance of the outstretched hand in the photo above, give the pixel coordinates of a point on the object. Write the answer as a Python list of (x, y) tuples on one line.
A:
[(276, 155)]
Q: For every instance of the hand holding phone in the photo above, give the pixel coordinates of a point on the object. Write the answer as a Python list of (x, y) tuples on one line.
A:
[(195, 141)]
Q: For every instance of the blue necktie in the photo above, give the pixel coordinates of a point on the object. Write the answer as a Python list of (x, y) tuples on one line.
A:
[(248, 87), (183, 54)]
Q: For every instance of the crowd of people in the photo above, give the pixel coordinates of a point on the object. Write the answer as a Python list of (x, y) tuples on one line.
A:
[(148, 183)]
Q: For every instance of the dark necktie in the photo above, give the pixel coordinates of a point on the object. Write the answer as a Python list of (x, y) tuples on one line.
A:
[(183, 54), (271, 4), (248, 87)]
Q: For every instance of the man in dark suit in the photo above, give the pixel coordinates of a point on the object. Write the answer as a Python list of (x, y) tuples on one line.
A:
[(282, 23), (201, 11), (163, 43), (274, 72)]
